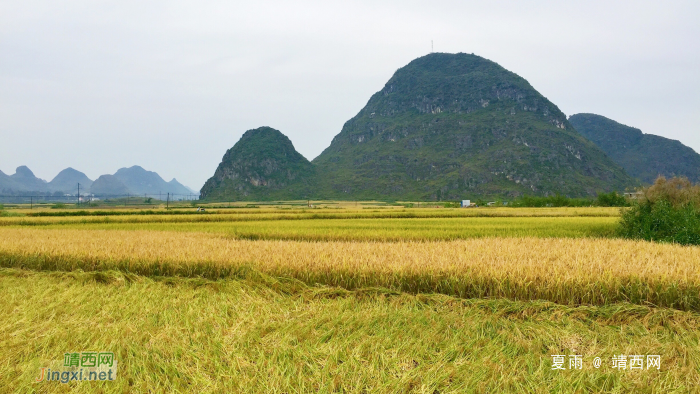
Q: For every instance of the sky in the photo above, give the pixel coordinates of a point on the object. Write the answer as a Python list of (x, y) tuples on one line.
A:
[(171, 85)]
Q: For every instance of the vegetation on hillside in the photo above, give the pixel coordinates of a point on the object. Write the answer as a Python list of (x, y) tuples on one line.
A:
[(444, 127), (669, 211), (448, 126), (643, 156), (263, 165)]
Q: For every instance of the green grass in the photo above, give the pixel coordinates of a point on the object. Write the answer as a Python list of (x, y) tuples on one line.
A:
[(267, 336), (385, 229)]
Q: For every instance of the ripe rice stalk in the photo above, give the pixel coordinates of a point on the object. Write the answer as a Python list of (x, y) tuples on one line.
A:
[(270, 214), (566, 271)]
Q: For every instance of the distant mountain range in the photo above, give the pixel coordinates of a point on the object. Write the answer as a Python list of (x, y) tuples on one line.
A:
[(643, 156), (133, 180)]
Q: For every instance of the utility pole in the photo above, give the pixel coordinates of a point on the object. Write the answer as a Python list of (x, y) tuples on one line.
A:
[(167, 202), (78, 193), (31, 202)]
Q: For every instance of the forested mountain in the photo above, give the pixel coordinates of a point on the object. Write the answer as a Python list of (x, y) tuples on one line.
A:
[(262, 165), (445, 126), (643, 156)]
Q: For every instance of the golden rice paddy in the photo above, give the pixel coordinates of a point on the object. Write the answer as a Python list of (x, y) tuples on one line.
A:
[(568, 271), (378, 300)]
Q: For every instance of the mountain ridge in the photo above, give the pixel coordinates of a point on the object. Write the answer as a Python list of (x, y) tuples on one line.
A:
[(141, 181), (450, 126), (643, 156), (109, 186), (67, 180)]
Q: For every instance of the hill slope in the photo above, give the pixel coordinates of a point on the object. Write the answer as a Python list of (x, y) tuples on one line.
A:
[(262, 165), (451, 126), (643, 156), (141, 181), (8, 185), (109, 185), (25, 180), (67, 181)]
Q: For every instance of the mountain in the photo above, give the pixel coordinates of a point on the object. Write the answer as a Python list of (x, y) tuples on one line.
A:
[(192, 191), (643, 156), (179, 188), (67, 182), (444, 127), (141, 181), (262, 165), (7, 184), (452, 126), (25, 180), (109, 185), (133, 180)]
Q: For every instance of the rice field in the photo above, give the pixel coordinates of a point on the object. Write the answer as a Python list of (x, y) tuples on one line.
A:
[(48, 217), (566, 271), (380, 230), (346, 300), (174, 335)]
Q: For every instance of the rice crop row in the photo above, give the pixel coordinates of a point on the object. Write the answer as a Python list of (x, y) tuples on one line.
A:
[(234, 336), (248, 215), (384, 229), (565, 271)]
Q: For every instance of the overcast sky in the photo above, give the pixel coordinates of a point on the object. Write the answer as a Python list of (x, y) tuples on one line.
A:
[(171, 85)]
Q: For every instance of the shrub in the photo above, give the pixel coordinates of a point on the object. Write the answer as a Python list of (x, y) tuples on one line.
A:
[(611, 200), (58, 205), (677, 191), (2, 207), (669, 211), (551, 201)]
